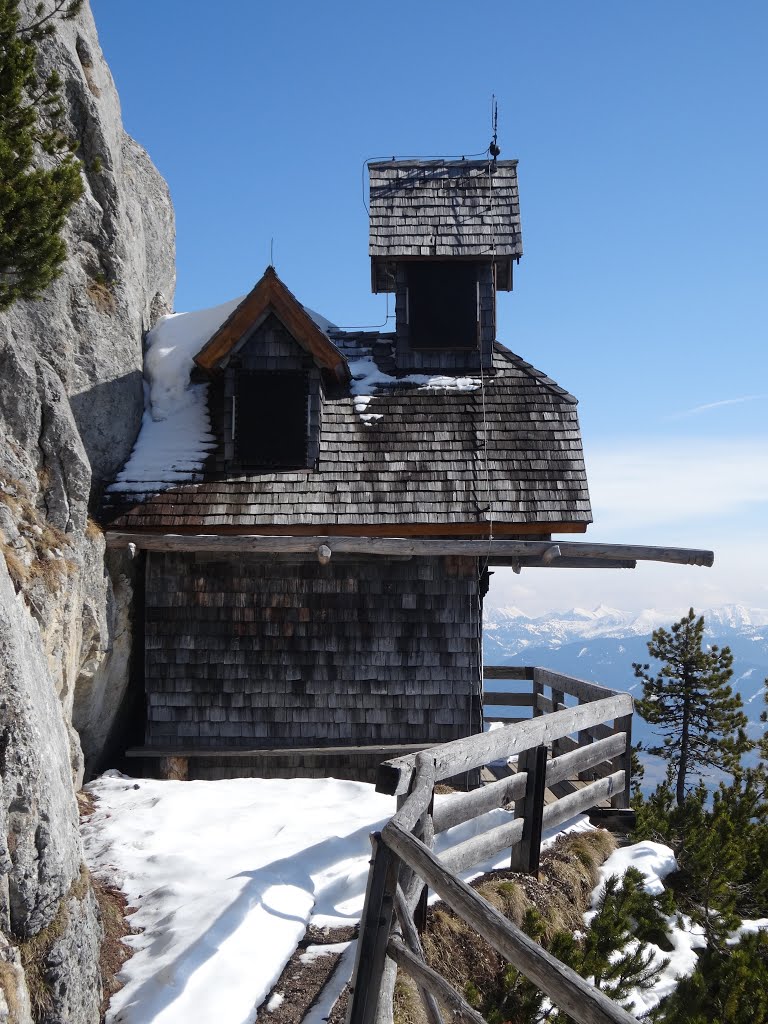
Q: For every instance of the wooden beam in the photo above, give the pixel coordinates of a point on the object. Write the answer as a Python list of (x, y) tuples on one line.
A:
[(512, 700), (564, 563), (508, 671), (460, 807), (470, 752), (304, 544), (429, 980), (236, 752), (482, 847), (580, 688), (582, 758), (567, 989), (564, 808)]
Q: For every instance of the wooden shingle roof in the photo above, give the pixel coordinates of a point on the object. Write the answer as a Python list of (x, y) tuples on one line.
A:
[(435, 460), (439, 208)]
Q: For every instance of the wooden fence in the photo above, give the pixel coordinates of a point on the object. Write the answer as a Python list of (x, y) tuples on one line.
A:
[(591, 738)]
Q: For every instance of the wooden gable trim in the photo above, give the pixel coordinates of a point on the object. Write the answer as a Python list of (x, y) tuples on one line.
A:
[(270, 295)]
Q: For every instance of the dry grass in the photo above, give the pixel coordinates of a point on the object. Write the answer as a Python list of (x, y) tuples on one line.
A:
[(114, 952), (40, 541), (35, 950), (569, 873), (17, 569), (407, 1004), (92, 529), (101, 294), (8, 983)]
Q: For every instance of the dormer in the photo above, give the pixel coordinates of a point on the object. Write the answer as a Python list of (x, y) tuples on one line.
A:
[(270, 366), (444, 235)]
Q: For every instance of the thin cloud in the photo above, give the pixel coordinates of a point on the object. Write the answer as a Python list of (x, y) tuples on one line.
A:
[(714, 405), (678, 482)]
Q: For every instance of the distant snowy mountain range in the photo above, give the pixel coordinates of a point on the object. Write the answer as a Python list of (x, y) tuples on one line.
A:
[(602, 644), (557, 628)]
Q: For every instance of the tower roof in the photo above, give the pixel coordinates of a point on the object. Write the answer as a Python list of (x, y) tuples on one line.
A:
[(444, 208)]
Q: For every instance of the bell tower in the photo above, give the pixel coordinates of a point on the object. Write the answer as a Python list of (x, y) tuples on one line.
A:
[(444, 235)]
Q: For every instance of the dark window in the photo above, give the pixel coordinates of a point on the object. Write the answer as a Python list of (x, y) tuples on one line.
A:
[(442, 305), (271, 419)]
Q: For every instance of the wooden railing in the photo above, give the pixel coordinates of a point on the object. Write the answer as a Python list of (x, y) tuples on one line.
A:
[(559, 742)]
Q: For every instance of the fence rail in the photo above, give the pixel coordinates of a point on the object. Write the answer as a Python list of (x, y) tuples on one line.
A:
[(562, 740)]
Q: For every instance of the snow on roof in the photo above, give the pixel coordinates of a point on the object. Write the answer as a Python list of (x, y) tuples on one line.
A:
[(367, 379), (175, 435)]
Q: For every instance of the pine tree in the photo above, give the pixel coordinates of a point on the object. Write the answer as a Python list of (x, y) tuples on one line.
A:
[(691, 703), (40, 177), (615, 951), (729, 986)]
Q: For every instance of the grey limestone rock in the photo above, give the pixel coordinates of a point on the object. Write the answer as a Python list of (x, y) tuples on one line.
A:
[(45, 891), (71, 400), (120, 274)]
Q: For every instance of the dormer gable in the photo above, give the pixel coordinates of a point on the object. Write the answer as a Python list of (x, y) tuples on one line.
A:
[(269, 362), (270, 296)]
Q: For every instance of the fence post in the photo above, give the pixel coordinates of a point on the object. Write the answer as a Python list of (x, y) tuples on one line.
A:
[(375, 927), (537, 690), (558, 697), (527, 853), (623, 762), (428, 838)]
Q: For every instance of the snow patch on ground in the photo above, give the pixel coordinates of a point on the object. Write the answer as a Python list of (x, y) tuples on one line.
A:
[(225, 877), (748, 928), (321, 1011), (655, 862)]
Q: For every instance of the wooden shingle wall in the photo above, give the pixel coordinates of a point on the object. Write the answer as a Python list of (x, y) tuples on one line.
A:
[(253, 652), (445, 360)]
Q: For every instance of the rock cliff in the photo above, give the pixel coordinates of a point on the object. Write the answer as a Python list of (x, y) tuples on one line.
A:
[(71, 399)]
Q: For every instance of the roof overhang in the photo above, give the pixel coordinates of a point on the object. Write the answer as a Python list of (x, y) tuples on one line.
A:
[(270, 295), (516, 553)]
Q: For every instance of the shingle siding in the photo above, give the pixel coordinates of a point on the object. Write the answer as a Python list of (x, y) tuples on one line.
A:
[(285, 652)]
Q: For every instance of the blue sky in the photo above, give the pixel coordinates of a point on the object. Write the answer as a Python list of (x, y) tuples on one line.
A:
[(641, 135)]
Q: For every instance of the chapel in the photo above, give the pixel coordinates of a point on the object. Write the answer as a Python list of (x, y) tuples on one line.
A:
[(313, 590)]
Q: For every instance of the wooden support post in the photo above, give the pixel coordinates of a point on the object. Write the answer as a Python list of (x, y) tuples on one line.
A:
[(623, 763), (375, 927), (428, 838), (527, 853), (413, 942), (174, 768), (584, 736), (558, 698), (537, 689)]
